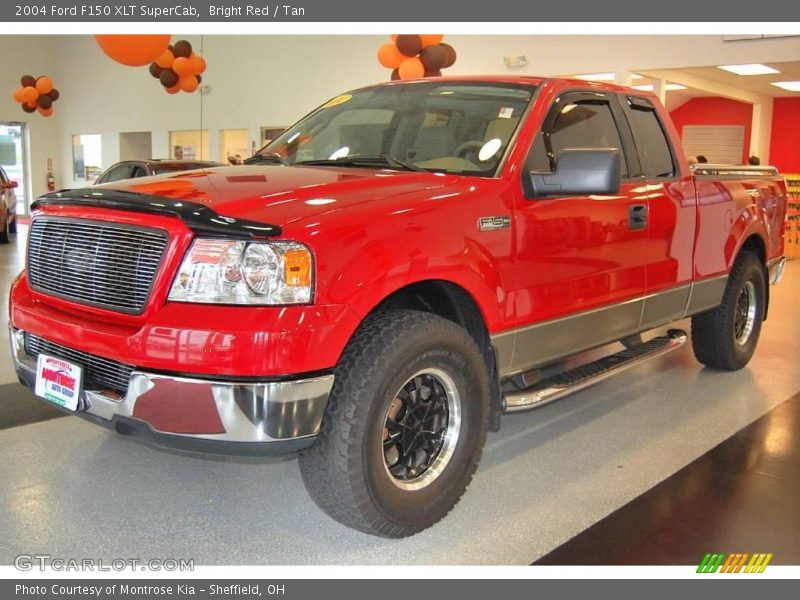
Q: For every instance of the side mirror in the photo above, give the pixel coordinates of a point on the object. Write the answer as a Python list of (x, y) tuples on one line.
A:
[(11, 184), (579, 172)]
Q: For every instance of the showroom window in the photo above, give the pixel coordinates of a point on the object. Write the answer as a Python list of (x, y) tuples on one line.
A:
[(87, 156), (580, 124), (189, 144), (233, 146)]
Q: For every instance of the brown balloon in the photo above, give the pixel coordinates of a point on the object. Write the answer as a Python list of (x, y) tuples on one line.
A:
[(168, 78), (433, 73), (28, 81), (433, 57), (451, 55), (155, 70), (54, 95), (28, 109), (44, 101), (410, 45), (182, 49), (395, 74)]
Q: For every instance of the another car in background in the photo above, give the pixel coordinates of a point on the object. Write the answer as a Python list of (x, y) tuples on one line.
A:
[(8, 207), (131, 169)]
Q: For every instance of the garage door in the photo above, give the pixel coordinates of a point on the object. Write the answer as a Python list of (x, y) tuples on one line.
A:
[(718, 143)]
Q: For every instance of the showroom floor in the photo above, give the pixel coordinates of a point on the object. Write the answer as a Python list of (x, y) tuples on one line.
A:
[(71, 489)]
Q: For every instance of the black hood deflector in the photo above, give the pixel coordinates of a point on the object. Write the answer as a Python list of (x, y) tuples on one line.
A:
[(198, 217)]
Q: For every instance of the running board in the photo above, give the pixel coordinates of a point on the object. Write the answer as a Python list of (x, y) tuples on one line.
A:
[(581, 377)]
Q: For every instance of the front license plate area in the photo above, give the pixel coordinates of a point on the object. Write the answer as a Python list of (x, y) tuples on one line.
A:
[(59, 381)]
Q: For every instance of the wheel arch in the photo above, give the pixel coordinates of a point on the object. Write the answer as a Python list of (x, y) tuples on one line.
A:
[(454, 302), (755, 243)]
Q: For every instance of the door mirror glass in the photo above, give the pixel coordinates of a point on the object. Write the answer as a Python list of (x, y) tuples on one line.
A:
[(579, 172)]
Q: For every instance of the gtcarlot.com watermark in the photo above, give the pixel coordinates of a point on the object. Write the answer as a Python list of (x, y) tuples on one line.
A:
[(47, 562)]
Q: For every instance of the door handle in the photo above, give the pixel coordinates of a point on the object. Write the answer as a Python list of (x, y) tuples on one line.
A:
[(637, 216)]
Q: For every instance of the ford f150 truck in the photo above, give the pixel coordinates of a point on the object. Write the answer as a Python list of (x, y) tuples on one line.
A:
[(390, 275)]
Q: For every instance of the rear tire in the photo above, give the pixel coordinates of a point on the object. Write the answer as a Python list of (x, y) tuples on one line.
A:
[(726, 337), (5, 232), (405, 425)]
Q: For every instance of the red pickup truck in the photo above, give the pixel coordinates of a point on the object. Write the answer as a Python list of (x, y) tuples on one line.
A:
[(384, 280)]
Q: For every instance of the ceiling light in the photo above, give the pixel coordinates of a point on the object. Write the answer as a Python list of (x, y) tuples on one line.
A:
[(670, 87), (603, 76), (749, 69), (789, 86), (597, 77)]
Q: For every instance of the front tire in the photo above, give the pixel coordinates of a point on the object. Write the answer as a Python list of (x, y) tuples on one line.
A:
[(405, 425), (726, 337)]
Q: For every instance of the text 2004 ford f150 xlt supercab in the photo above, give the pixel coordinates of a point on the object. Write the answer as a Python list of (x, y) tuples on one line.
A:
[(391, 274)]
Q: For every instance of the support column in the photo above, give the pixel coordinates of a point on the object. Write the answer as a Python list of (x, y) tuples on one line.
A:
[(660, 90), (761, 130)]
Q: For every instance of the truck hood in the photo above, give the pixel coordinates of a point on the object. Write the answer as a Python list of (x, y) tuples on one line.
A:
[(280, 195)]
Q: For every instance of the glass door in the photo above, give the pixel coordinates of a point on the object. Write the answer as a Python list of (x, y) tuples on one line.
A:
[(14, 158)]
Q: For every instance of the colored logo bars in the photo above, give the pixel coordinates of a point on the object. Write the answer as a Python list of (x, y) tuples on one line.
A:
[(734, 563)]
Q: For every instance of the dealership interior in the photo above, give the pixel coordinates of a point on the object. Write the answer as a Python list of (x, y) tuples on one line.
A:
[(658, 465)]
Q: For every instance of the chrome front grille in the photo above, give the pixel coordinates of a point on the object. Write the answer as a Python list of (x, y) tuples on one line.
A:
[(99, 373), (96, 263)]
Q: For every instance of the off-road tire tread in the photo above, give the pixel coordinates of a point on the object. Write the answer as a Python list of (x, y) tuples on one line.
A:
[(333, 481), (711, 339)]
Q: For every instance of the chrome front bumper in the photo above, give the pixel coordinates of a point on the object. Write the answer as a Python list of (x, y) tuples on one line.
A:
[(228, 417)]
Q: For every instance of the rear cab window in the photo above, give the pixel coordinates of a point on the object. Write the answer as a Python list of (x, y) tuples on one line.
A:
[(652, 143)]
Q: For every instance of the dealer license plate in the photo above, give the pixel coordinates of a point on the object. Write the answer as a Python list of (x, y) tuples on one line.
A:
[(58, 381)]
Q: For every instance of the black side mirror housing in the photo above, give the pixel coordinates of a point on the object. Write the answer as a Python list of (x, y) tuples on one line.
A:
[(579, 172)]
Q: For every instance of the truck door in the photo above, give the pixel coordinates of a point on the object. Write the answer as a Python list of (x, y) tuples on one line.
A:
[(672, 215), (581, 261)]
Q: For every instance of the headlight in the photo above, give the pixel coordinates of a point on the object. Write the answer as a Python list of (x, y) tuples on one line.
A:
[(234, 272)]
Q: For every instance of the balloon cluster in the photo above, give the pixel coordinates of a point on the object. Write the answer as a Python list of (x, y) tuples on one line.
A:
[(416, 56), (178, 68), (36, 94)]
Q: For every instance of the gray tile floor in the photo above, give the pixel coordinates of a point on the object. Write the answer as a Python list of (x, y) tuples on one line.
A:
[(73, 490)]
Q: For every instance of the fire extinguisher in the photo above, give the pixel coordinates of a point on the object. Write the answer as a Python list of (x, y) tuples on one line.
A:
[(51, 180)]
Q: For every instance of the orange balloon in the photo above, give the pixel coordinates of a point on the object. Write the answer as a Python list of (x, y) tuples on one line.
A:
[(29, 94), (197, 64), (203, 65), (45, 112), (182, 66), (19, 95), (429, 39), (174, 89), (133, 50), (44, 85), (389, 56), (165, 59), (31, 104), (411, 68), (188, 83)]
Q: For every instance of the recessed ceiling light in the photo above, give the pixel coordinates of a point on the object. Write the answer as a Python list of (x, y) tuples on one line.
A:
[(603, 76), (670, 87), (749, 69), (789, 86)]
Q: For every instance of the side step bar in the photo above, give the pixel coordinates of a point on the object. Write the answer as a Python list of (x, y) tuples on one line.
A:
[(581, 377)]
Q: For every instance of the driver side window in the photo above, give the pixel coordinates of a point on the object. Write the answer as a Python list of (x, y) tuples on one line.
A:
[(578, 124)]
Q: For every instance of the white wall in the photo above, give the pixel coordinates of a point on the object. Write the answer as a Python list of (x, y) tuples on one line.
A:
[(272, 80), (31, 56)]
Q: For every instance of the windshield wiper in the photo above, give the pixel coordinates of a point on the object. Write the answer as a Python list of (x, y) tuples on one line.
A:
[(273, 158), (364, 159)]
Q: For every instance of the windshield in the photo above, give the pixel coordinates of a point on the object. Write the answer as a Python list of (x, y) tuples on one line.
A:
[(461, 128)]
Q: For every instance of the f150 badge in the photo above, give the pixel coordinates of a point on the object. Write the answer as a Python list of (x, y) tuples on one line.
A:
[(494, 223)]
